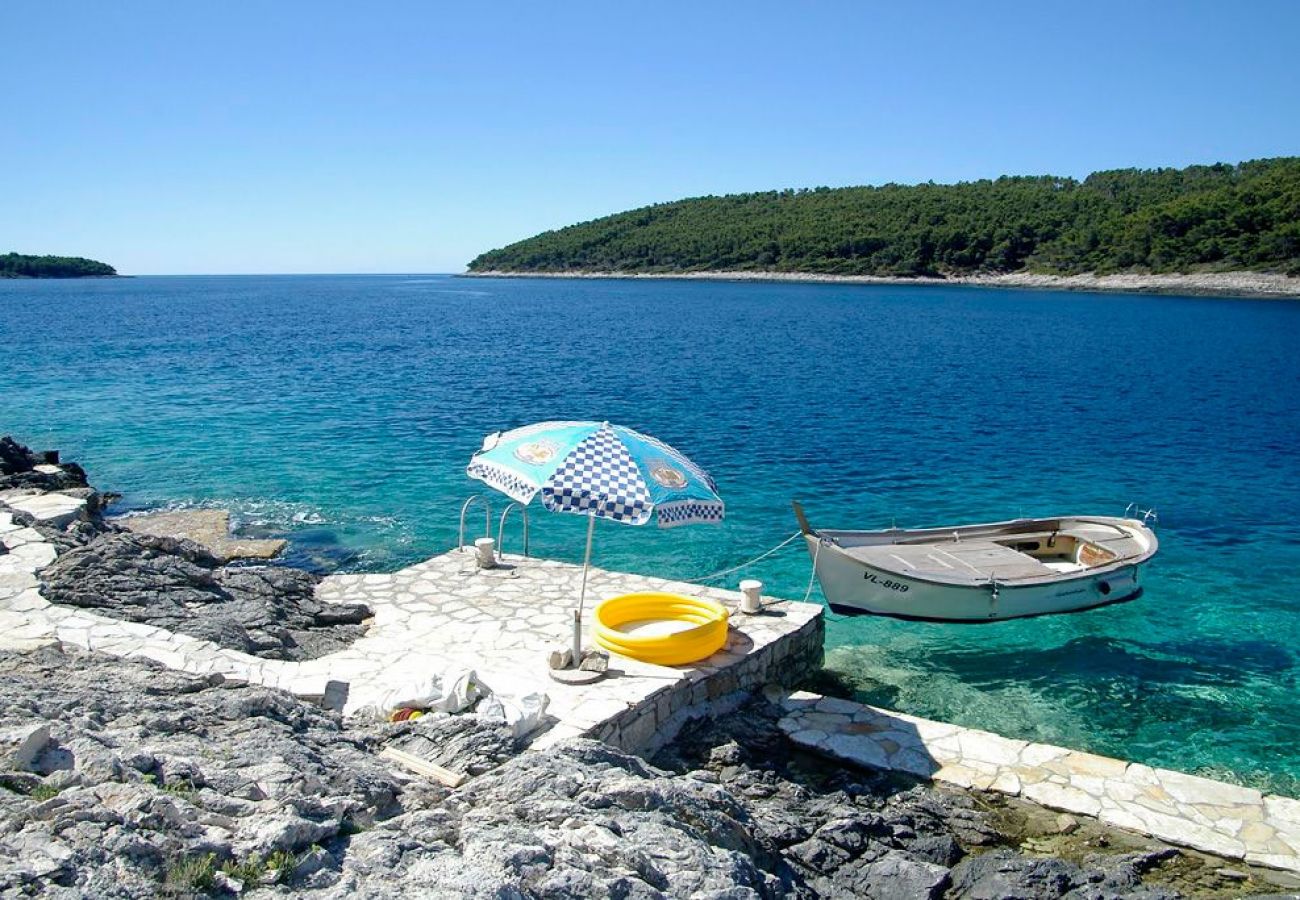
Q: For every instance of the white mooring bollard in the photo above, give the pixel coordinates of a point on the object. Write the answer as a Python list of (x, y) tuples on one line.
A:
[(753, 591), (485, 548)]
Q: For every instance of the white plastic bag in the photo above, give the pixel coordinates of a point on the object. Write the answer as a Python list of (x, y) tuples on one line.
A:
[(419, 688), (522, 714)]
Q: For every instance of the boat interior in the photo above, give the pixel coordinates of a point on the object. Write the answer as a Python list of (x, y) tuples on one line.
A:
[(1015, 552)]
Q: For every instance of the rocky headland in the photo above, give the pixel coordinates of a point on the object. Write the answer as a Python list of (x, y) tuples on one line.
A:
[(1220, 284), (122, 778)]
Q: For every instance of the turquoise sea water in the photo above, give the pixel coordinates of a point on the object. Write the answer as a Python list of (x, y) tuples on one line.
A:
[(340, 411)]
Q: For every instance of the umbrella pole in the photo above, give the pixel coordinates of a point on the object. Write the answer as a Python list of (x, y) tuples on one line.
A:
[(582, 594)]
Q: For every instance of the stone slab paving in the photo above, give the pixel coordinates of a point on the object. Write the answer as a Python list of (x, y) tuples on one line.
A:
[(1224, 819), (446, 615), (52, 508), (503, 622)]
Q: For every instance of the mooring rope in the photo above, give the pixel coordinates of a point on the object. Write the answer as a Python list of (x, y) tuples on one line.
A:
[(812, 576), (759, 558)]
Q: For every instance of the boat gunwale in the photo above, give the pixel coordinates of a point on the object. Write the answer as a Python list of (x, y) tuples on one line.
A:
[(827, 536)]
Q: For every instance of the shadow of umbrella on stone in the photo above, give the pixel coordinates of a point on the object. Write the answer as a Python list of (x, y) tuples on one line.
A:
[(601, 471)]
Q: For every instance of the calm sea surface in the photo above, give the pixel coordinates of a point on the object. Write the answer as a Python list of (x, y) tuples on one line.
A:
[(340, 412)]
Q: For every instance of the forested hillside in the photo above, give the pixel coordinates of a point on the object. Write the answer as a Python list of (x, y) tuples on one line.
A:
[(18, 265), (1202, 218)]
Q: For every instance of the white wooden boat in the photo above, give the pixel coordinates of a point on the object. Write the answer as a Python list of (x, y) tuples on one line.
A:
[(981, 573)]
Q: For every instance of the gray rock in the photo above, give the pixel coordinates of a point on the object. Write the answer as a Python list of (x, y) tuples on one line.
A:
[(1004, 875), (728, 754), (20, 745), (896, 876), (271, 611), (171, 768), (17, 470), (820, 856), (854, 832), (594, 661), (463, 743), (156, 770), (1121, 876)]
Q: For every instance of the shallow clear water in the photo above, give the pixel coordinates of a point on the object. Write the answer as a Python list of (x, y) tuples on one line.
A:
[(341, 411)]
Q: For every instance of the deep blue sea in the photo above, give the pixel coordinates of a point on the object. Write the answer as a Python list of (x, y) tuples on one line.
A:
[(340, 412)]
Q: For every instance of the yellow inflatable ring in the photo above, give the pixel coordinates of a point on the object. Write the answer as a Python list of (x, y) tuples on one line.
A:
[(704, 634)]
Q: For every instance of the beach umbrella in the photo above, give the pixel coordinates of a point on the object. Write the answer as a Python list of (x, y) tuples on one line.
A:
[(601, 471)]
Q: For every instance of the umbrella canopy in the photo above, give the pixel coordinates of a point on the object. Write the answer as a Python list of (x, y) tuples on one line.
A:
[(599, 470)]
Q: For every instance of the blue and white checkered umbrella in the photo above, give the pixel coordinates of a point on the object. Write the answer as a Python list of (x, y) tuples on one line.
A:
[(598, 470)]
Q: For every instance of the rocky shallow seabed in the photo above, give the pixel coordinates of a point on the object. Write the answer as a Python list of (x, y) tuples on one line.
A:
[(126, 779)]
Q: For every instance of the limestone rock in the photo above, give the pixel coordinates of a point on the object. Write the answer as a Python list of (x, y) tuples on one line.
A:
[(594, 661), (22, 744), (176, 584), (463, 743), (121, 814), (1003, 875), (896, 876), (18, 469), (147, 770)]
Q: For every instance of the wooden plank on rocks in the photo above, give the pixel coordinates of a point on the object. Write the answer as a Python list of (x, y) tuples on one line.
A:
[(424, 767)]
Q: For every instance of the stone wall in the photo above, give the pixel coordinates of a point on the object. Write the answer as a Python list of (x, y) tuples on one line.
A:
[(715, 690)]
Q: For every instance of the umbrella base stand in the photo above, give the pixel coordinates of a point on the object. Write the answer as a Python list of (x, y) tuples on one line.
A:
[(582, 667), (575, 676)]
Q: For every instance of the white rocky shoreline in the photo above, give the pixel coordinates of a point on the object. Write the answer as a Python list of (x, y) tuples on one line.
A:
[(1226, 284), (121, 777)]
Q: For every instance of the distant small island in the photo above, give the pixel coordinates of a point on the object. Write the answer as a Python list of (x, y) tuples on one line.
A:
[(21, 265), (1121, 229)]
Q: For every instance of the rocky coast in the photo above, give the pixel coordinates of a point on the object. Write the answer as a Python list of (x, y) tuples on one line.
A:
[(1226, 284), (124, 778)]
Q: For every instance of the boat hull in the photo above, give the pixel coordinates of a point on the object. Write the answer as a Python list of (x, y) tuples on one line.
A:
[(854, 587)]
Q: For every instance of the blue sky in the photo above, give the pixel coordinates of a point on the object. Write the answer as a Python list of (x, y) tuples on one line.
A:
[(249, 137)]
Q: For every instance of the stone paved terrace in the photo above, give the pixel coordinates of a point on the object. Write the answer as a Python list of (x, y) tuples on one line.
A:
[(502, 622), (443, 615), (1223, 819)]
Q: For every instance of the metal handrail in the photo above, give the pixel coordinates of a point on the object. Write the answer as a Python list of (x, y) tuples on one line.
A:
[(501, 527), (1148, 515), (487, 518)]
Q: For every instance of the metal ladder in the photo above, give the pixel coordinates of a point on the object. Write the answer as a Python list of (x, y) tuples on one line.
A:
[(487, 522), (501, 527), (487, 518)]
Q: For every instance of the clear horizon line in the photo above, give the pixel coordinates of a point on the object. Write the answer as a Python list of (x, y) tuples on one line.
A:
[(268, 274)]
